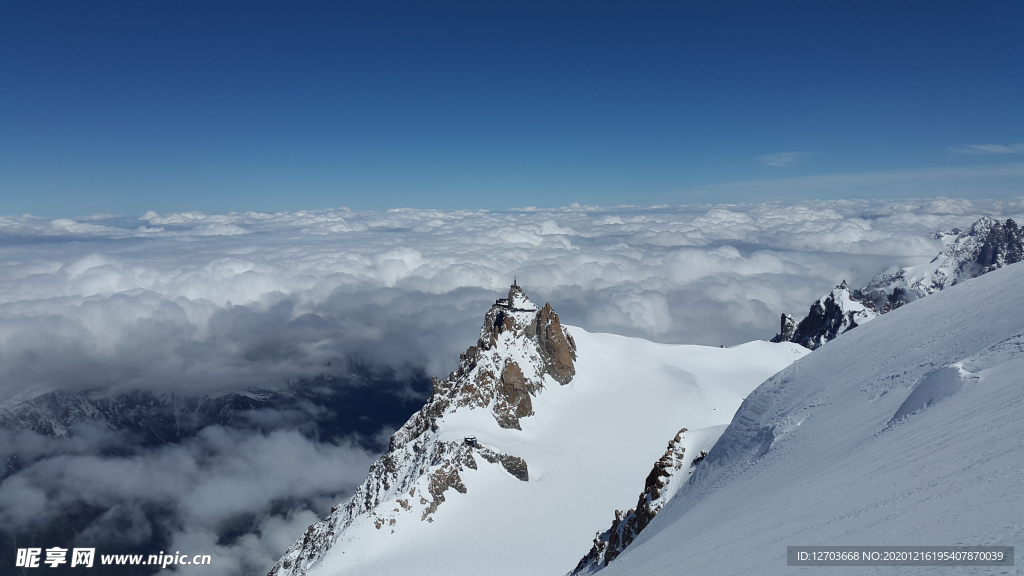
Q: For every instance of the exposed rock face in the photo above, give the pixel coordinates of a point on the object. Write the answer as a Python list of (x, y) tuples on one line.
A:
[(556, 346), (665, 478), (786, 329), (514, 465), (519, 346), (514, 398), (828, 318), (988, 245), (1003, 245)]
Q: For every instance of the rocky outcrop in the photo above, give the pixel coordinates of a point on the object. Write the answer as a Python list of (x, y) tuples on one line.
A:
[(986, 246), (1003, 245), (556, 345), (664, 480), (514, 465), (828, 318), (786, 329), (513, 400), (521, 349)]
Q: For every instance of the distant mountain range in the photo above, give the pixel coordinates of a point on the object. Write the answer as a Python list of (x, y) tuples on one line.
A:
[(986, 246)]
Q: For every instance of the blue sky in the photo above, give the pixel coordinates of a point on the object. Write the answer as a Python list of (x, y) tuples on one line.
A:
[(123, 107)]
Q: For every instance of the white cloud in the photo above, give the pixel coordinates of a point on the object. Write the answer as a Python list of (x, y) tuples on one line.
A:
[(782, 159), (268, 487), (990, 149), (102, 303)]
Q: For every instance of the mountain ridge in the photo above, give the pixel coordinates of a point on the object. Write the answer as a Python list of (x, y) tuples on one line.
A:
[(987, 245), (904, 432), (519, 344)]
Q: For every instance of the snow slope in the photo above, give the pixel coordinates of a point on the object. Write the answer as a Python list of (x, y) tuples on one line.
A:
[(587, 446), (906, 431)]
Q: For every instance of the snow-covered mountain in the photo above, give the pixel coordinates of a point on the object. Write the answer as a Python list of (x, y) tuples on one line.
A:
[(828, 317), (564, 422), (986, 246), (907, 431)]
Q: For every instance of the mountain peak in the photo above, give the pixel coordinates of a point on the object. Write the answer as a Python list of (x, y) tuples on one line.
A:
[(521, 350), (518, 345), (828, 317), (517, 299), (981, 226)]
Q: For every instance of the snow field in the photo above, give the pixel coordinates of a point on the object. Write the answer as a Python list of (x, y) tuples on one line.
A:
[(589, 447)]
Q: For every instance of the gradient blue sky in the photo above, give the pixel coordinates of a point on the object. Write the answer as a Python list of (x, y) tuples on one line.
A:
[(123, 107)]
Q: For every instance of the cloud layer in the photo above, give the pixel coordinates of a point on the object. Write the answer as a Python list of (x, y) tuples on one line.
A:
[(239, 496), (196, 301), (193, 302)]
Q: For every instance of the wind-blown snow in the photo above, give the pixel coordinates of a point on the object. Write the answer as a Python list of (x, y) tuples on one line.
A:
[(906, 431)]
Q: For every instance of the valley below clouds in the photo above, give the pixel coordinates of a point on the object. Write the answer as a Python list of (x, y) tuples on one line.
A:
[(193, 305)]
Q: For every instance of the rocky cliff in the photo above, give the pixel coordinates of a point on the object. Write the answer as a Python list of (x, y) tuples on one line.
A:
[(682, 456), (521, 349)]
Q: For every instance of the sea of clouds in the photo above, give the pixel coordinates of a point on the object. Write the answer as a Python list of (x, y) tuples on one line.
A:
[(198, 303), (242, 496)]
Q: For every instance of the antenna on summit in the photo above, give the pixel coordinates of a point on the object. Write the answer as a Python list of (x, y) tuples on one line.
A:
[(514, 281)]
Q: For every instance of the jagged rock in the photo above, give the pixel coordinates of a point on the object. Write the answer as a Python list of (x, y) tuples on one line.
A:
[(986, 246), (515, 400), (557, 346), (447, 476), (786, 330), (700, 458), (831, 316), (514, 465), (626, 526), (1003, 245), (519, 345)]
